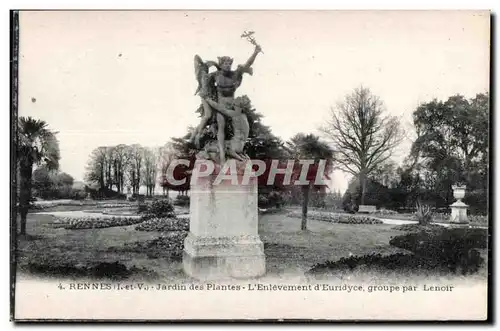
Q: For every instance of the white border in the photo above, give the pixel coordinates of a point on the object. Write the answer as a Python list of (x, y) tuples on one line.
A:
[(200, 4)]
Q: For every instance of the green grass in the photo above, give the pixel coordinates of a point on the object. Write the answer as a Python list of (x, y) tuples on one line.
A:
[(289, 251)]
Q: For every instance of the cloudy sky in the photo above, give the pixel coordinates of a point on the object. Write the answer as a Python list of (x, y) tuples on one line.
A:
[(110, 77)]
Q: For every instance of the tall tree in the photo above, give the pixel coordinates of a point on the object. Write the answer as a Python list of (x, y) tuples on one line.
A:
[(166, 154), (37, 145), (149, 170), (109, 167), (135, 156), (309, 147), (363, 136), (42, 182), (97, 166), (119, 166), (452, 142)]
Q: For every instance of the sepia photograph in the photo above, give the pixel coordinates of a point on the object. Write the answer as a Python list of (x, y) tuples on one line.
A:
[(246, 165)]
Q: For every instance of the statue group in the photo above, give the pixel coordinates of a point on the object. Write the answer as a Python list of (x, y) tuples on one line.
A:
[(220, 107), (223, 239)]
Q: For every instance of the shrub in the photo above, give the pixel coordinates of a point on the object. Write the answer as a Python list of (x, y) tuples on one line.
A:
[(424, 214), (454, 248), (477, 201), (182, 201), (164, 224), (333, 201), (160, 208), (78, 194), (398, 261), (478, 219), (262, 201), (102, 270), (349, 204), (170, 244)]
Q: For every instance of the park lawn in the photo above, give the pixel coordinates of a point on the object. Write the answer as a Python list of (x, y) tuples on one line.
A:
[(289, 251)]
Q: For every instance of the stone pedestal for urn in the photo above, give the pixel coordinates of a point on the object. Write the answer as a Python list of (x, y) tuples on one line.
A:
[(223, 241), (458, 208)]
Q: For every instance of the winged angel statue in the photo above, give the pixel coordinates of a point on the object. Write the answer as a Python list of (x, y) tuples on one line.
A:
[(217, 91)]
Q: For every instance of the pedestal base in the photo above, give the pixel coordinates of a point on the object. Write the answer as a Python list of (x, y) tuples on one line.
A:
[(459, 213), (223, 240), (220, 258)]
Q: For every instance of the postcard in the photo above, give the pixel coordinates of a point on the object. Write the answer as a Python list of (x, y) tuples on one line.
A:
[(249, 165)]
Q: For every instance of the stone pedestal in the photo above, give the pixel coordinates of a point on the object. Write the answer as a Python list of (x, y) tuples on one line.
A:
[(459, 212), (458, 208), (223, 241)]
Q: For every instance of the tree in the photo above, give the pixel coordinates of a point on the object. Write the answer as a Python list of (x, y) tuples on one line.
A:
[(36, 145), (309, 147), (119, 166), (149, 170), (166, 154), (452, 143), (97, 166), (363, 136), (42, 182), (135, 159), (63, 184), (386, 174)]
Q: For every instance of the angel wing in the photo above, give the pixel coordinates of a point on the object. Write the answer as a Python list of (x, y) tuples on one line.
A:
[(200, 70)]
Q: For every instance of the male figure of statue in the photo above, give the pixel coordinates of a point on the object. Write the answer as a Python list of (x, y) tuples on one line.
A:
[(225, 81), (241, 129)]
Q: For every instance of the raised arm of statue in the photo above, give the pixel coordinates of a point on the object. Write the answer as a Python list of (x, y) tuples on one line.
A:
[(252, 58)]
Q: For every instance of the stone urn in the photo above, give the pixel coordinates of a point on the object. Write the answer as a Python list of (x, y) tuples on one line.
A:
[(458, 192), (458, 208)]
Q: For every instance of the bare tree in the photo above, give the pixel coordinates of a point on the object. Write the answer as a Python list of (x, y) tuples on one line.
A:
[(135, 159), (109, 150), (119, 166), (149, 171), (363, 136), (165, 155)]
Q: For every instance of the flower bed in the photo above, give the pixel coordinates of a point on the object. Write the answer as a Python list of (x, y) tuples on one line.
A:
[(337, 218), (95, 222), (417, 227), (170, 244), (46, 204), (164, 224)]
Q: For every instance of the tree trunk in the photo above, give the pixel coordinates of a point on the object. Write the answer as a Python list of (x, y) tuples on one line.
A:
[(305, 203), (362, 182), (25, 194)]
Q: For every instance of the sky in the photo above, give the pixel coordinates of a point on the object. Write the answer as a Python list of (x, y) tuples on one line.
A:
[(103, 78)]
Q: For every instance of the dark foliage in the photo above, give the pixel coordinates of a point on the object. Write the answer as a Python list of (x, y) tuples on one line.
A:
[(453, 248), (442, 250), (182, 201), (103, 270), (399, 261), (159, 209), (169, 245)]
